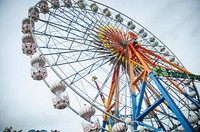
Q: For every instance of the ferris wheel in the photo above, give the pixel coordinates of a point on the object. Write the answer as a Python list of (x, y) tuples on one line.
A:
[(108, 68)]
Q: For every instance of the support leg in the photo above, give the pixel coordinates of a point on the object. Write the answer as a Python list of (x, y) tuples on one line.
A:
[(188, 127)]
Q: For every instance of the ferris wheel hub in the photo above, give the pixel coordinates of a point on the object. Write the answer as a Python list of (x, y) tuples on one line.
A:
[(124, 43)]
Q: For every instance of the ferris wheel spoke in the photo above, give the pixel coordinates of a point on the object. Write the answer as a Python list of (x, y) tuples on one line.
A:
[(104, 83), (70, 51), (79, 57), (89, 17), (66, 44), (71, 29), (60, 28), (71, 62), (74, 14), (100, 21), (85, 71)]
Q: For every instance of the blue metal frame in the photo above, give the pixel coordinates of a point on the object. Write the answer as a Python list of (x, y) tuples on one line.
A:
[(110, 121), (134, 106), (168, 115), (103, 126), (148, 126), (188, 127), (140, 99), (117, 113), (160, 123), (105, 123), (148, 110)]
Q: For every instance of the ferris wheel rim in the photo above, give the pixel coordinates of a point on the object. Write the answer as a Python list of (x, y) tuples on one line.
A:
[(124, 15)]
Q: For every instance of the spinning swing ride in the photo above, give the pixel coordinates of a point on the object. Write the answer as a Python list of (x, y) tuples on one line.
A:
[(111, 71)]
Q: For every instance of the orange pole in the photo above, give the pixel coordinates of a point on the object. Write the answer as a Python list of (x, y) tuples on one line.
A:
[(136, 63), (131, 73), (146, 58), (146, 67), (176, 85), (181, 82), (138, 78), (112, 89), (117, 90), (163, 59), (111, 106)]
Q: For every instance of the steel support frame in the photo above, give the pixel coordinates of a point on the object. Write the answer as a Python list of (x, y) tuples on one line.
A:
[(148, 126), (103, 126), (140, 99), (148, 110), (184, 122), (134, 106)]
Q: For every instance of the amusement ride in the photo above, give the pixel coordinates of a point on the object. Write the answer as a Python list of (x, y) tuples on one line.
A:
[(108, 69)]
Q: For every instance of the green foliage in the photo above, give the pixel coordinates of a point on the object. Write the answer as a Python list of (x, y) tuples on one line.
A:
[(159, 71), (10, 130)]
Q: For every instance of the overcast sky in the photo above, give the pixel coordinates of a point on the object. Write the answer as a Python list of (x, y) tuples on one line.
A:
[(26, 104)]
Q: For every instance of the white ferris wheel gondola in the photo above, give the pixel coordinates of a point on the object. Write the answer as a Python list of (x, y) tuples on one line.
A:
[(94, 7), (58, 87), (128, 121), (192, 93), (93, 126), (28, 44), (87, 112), (193, 107), (106, 12), (33, 13), (60, 98), (43, 5), (55, 4), (193, 119), (38, 71), (27, 25), (119, 127), (68, 3), (81, 4)]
